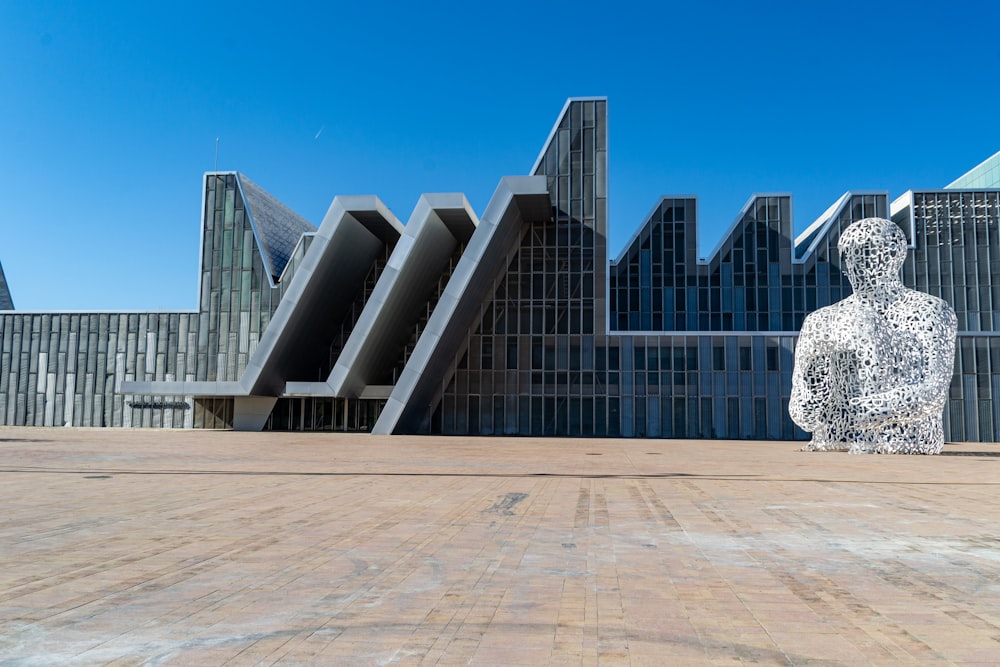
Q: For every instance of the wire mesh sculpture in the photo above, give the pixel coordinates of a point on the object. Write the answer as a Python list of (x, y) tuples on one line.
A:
[(872, 371)]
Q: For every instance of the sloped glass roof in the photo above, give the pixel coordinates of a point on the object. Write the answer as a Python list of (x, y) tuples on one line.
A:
[(278, 227), (984, 175), (5, 301)]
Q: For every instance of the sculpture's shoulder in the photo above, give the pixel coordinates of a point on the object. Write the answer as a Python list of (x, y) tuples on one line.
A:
[(926, 312), (827, 315), (924, 300)]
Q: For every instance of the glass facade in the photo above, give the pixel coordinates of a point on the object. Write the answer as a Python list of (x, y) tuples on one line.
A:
[(528, 363), (754, 281), (956, 234), (691, 348), (658, 342)]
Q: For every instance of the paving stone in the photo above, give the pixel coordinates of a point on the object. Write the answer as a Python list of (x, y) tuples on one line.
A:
[(206, 548)]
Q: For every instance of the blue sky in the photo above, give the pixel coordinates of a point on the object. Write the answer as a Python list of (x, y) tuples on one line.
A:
[(109, 114)]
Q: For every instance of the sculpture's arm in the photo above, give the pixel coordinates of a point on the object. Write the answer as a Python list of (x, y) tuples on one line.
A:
[(925, 396), (810, 395)]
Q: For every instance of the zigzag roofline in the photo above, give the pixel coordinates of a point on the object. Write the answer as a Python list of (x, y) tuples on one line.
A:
[(707, 259), (642, 226), (811, 236), (819, 229)]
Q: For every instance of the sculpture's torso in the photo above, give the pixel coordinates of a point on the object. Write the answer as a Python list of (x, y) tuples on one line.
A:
[(870, 350), (872, 371)]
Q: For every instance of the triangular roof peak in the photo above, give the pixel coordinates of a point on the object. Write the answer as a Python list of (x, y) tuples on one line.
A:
[(6, 303), (276, 227)]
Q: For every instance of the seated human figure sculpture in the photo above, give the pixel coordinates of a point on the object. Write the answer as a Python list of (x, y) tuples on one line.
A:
[(872, 371)]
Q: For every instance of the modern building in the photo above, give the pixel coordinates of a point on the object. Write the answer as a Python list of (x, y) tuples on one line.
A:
[(510, 322)]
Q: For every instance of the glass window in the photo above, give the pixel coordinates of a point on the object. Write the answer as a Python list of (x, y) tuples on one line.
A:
[(512, 353), (718, 358)]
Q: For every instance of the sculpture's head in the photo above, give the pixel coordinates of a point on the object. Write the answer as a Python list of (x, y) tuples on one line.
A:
[(872, 252)]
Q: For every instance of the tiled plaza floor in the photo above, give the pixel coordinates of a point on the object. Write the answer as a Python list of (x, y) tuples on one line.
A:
[(216, 548)]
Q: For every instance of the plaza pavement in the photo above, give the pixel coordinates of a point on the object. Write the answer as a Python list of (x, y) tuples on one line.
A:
[(130, 547)]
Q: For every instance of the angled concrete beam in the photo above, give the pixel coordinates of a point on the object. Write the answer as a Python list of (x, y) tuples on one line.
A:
[(517, 201), (299, 335), (322, 289), (438, 225)]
